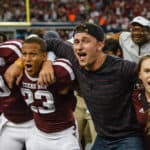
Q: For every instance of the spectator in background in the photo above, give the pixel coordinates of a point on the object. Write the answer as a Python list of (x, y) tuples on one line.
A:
[(136, 43), (39, 32), (48, 35), (114, 15), (141, 97), (3, 37), (51, 34), (112, 47)]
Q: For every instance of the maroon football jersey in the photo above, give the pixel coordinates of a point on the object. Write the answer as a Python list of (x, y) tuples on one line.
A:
[(52, 111), (11, 101), (140, 106)]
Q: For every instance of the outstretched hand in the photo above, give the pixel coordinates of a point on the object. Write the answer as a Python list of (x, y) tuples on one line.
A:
[(46, 75)]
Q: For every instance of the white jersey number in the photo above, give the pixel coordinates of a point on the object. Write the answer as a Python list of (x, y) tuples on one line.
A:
[(4, 90), (47, 106)]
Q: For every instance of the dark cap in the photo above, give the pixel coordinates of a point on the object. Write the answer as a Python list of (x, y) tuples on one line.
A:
[(91, 29)]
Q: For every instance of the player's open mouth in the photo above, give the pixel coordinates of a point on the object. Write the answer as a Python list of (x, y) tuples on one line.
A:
[(81, 55), (28, 67)]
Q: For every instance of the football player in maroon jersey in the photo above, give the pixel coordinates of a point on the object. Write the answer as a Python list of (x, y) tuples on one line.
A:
[(16, 119), (52, 105)]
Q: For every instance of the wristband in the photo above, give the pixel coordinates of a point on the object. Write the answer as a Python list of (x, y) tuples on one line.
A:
[(19, 63), (51, 56)]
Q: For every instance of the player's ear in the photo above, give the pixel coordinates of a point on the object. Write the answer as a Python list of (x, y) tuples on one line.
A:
[(44, 56), (100, 45)]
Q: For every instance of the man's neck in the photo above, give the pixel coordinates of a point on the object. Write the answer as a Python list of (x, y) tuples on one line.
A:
[(98, 63)]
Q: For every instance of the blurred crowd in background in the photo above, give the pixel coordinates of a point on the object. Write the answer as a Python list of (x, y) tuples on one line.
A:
[(112, 15)]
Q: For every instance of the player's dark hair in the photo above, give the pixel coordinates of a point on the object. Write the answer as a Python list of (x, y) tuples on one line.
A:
[(37, 40)]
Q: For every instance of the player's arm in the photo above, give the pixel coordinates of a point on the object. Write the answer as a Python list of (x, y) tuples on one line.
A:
[(46, 75), (64, 90), (65, 76), (14, 73), (13, 46), (62, 50)]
